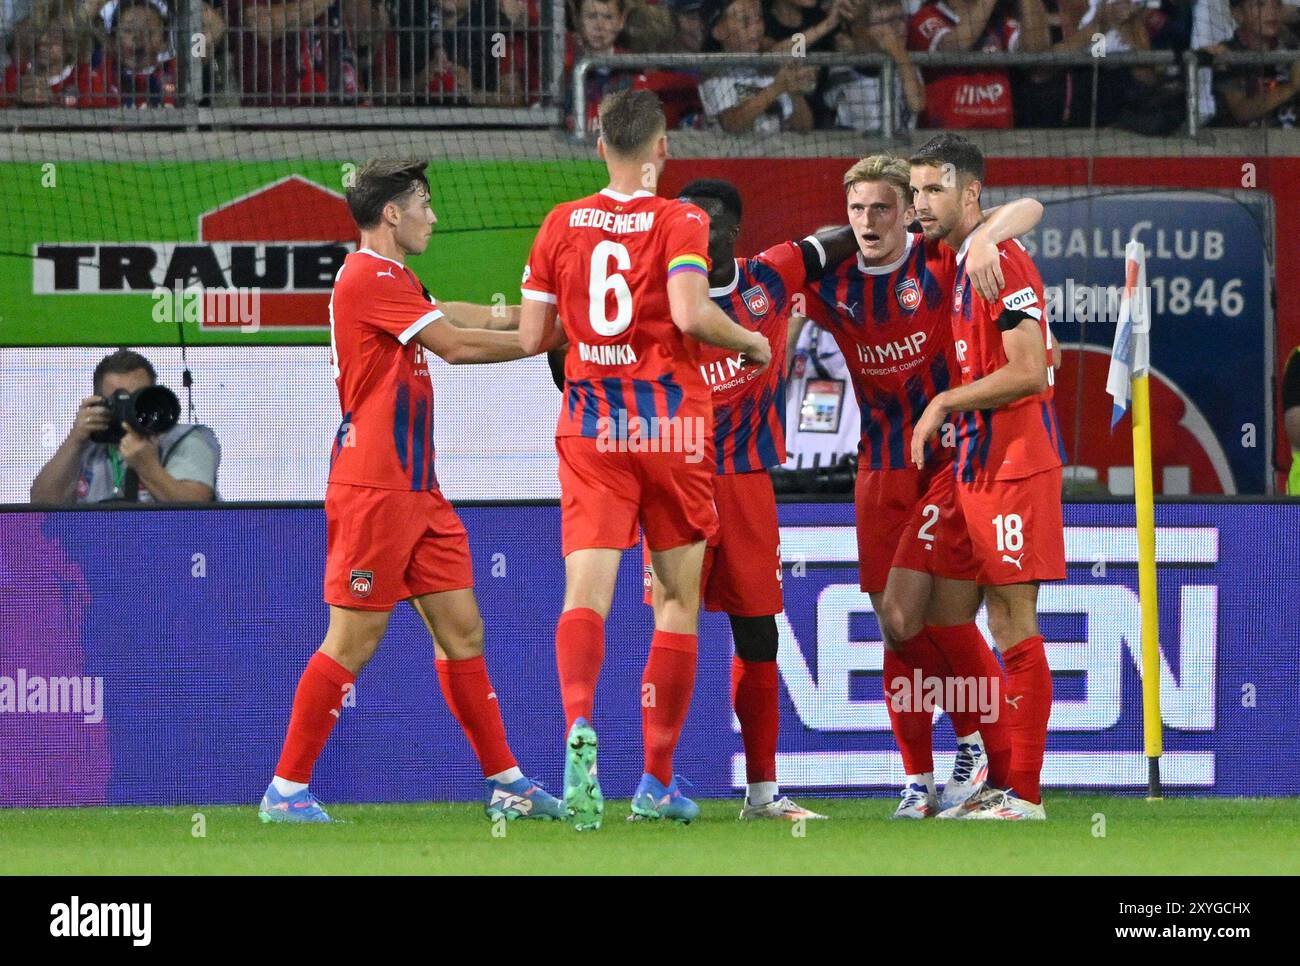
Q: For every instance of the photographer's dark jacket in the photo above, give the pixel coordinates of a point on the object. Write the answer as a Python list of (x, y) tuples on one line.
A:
[(187, 451)]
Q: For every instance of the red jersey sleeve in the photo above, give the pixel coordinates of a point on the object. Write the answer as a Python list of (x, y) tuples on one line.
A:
[(808, 303), (396, 304), (1021, 289), (926, 27), (538, 282), (786, 259), (686, 240)]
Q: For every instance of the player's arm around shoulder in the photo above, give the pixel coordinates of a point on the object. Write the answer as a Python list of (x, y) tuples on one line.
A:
[(1001, 224)]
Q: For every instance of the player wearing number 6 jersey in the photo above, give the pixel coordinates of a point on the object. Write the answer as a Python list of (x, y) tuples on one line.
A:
[(390, 533), (627, 273), (889, 310), (1007, 455)]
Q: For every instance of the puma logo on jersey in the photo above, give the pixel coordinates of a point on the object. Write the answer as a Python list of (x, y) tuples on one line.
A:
[(1007, 558), (386, 272), (691, 214), (847, 307), (1014, 702)]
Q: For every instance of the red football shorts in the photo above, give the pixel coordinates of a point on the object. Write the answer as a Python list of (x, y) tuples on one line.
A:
[(606, 496), (1016, 527), (742, 565), (910, 518), (384, 546)]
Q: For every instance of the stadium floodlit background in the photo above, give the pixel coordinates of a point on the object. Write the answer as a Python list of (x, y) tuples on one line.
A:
[(174, 176)]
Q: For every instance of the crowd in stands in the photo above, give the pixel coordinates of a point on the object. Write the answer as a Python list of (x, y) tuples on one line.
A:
[(125, 53)]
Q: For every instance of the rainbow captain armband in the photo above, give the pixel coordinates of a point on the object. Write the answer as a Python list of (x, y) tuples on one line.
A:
[(688, 263)]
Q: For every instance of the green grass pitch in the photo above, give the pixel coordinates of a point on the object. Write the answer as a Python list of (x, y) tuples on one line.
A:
[(1176, 837)]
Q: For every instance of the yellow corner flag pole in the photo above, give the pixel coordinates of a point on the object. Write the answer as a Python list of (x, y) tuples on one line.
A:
[(1130, 363), (1153, 736), (1144, 498)]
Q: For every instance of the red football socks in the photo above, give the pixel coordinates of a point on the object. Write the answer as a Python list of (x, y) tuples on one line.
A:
[(972, 660), (579, 653), (469, 694), (911, 724), (666, 689), (754, 695), (316, 706), (1027, 706)]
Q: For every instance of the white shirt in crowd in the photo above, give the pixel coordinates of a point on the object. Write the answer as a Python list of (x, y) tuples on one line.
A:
[(724, 91)]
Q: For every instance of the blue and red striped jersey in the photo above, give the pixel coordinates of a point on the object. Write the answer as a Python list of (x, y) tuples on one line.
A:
[(604, 261), (1021, 438), (748, 405), (385, 440), (892, 322)]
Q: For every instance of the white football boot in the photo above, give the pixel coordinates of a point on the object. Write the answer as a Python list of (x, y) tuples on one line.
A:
[(969, 771), (781, 809), (995, 804), (917, 800)]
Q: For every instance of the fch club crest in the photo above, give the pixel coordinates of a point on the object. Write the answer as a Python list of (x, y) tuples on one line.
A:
[(908, 294), (757, 300), (361, 582)]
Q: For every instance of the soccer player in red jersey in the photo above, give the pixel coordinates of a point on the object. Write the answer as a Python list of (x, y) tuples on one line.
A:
[(889, 311), (742, 566), (1008, 457), (627, 272), (391, 534)]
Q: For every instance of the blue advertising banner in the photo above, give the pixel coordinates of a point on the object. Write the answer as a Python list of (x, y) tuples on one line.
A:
[(1211, 333), (151, 658)]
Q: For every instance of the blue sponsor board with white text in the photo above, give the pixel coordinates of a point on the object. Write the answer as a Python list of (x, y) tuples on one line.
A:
[(196, 625)]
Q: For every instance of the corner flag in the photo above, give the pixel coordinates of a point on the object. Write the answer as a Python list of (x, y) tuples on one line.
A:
[(1130, 356)]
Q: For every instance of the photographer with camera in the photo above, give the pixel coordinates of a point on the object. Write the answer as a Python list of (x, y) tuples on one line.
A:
[(126, 443)]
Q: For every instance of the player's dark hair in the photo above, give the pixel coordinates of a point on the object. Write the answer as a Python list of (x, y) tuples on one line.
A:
[(119, 362), (379, 181), (721, 191), (630, 121), (947, 148)]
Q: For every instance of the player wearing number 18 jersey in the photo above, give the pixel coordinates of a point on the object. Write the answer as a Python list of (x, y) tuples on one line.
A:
[(889, 310), (1008, 460), (626, 272)]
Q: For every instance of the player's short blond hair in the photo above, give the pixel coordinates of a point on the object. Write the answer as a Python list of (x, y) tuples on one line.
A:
[(881, 167)]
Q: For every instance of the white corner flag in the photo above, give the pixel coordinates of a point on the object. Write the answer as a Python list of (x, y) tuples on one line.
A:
[(1130, 356)]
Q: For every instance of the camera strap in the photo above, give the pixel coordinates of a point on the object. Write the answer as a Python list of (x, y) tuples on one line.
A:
[(187, 378), (118, 467)]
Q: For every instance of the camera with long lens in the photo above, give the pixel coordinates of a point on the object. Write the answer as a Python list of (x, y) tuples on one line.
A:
[(151, 410)]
